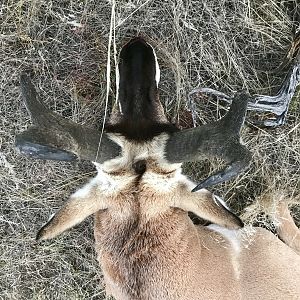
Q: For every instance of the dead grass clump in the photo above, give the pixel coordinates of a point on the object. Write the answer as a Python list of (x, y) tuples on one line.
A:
[(225, 45)]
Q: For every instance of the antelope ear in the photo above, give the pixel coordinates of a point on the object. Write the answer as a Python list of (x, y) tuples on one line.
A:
[(207, 206), (81, 204)]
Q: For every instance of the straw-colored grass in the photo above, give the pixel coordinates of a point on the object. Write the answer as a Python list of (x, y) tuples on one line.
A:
[(225, 45)]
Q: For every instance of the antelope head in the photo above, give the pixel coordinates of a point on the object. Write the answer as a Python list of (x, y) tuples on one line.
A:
[(139, 119), (139, 143)]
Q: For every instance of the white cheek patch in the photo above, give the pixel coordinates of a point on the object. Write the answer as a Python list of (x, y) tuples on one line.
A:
[(157, 73), (109, 185), (231, 235), (86, 189), (218, 200), (157, 69), (103, 183)]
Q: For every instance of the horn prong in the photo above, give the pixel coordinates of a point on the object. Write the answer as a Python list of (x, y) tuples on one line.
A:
[(231, 171)]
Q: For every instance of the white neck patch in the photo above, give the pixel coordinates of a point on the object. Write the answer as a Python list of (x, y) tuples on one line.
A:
[(132, 152)]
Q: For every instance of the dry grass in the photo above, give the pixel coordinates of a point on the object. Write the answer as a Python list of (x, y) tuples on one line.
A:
[(225, 45)]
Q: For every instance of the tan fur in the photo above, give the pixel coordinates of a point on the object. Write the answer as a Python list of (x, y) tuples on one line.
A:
[(82, 204), (287, 230), (148, 247), (204, 204)]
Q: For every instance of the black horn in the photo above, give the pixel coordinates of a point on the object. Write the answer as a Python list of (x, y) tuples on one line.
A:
[(54, 137), (220, 139)]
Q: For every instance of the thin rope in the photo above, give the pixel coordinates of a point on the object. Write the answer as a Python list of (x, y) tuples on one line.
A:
[(117, 76), (108, 69)]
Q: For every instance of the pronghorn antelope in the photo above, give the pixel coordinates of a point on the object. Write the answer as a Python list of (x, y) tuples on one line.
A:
[(147, 245)]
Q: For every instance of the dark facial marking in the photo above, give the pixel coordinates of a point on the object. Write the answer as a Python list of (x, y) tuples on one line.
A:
[(140, 166)]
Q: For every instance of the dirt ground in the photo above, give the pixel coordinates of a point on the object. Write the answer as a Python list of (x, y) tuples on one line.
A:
[(226, 45)]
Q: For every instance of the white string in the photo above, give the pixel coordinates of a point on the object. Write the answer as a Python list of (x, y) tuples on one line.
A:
[(108, 68), (117, 78)]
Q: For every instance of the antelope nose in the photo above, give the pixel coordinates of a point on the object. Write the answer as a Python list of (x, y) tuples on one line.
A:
[(140, 166)]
